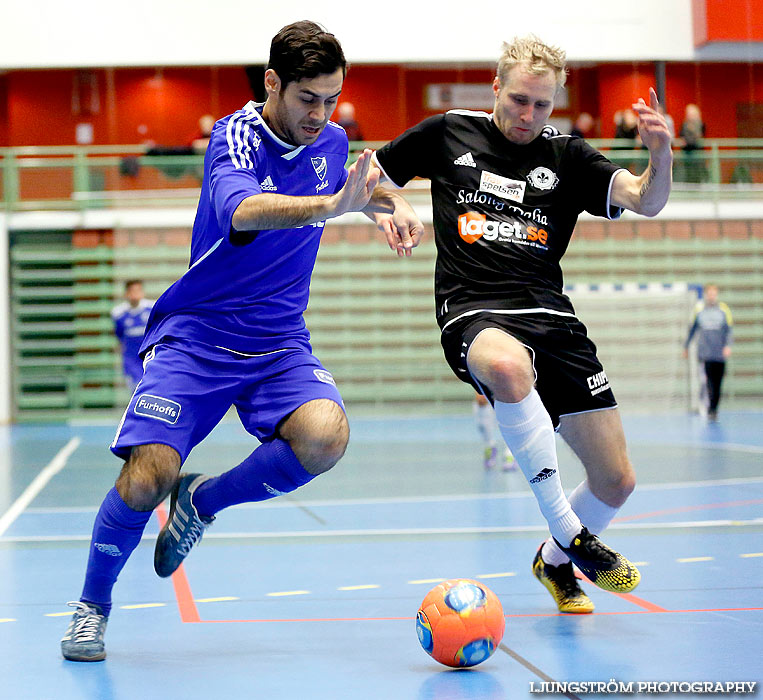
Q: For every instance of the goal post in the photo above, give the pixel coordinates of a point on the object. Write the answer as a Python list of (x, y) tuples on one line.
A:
[(639, 331)]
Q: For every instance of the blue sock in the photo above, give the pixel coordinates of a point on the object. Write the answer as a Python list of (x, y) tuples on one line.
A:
[(271, 470), (116, 533)]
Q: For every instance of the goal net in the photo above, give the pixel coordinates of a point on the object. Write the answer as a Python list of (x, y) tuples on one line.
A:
[(639, 331)]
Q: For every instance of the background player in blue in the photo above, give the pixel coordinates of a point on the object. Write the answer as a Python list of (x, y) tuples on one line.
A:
[(130, 319), (506, 193), (231, 330)]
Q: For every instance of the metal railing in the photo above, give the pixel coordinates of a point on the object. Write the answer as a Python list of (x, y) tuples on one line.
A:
[(87, 177)]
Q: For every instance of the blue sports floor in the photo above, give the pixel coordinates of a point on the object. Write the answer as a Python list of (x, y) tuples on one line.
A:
[(314, 595)]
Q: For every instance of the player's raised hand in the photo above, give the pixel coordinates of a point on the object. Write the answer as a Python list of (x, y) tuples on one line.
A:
[(652, 126), (362, 179)]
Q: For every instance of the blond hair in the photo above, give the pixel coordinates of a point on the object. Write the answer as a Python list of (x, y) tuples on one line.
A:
[(537, 57)]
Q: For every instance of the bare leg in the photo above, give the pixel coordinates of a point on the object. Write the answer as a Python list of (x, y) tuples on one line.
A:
[(148, 476), (318, 433), (597, 438)]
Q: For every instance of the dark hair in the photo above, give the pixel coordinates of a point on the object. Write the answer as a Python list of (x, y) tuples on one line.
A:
[(305, 50), (130, 283)]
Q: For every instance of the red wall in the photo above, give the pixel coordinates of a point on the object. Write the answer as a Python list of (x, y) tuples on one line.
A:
[(727, 20), (166, 103), (717, 88), (375, 91), (620, 85), (3, 110), (137, 104)]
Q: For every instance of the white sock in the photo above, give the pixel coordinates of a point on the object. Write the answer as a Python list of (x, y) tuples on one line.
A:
[(484, 416), (529, 433), (592, 511)]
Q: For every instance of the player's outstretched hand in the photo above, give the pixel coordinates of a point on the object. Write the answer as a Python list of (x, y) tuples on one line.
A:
[(652, 126), (402, 229), (362, 179)]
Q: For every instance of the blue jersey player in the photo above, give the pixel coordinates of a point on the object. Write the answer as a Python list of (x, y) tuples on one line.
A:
[(231, 330), (130, 319)]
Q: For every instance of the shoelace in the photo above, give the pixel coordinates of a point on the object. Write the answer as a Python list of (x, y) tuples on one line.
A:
[(87, 626), (194, 533)]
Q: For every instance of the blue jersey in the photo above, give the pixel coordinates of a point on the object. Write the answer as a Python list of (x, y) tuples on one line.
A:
[(129, 327), (247, 292)]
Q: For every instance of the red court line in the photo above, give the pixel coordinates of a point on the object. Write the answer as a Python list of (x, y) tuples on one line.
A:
[(649, 607), (687, 509), (393, 619), (186, 604), (190, 613)]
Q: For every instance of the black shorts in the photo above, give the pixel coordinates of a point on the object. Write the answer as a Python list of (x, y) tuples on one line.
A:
[(568, 375)]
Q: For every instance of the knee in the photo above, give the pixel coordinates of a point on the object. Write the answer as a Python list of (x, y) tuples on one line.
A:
[(319, 449), (509, 377), (624, 485), (617, 486), (148, 476)]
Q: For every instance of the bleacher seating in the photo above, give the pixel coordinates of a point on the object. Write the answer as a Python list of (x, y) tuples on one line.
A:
[(371, 313)]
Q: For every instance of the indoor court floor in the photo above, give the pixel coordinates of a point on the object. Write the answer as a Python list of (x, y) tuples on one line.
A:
[(314, 595)]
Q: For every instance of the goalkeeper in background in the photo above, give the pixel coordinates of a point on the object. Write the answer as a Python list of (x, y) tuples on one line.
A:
[(712, 324)]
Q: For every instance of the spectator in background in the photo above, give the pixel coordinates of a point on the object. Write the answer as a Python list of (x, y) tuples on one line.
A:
[(626, 129), (200, 142), (583, 126), (347, 121), (130, 318), (712, 320), (669, 121), (627, 126), (692, 133)]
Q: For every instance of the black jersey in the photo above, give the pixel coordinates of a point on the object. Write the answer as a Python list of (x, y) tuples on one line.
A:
[(503, 213)]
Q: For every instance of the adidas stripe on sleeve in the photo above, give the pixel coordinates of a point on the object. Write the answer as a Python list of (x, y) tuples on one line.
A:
[(234, 150)]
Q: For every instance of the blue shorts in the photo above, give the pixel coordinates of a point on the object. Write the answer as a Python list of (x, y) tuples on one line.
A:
[(187, 387)]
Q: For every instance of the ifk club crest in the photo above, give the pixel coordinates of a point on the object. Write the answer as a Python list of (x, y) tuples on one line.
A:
[(320, 166)]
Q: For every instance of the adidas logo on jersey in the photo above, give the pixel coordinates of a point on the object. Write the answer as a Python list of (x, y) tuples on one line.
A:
[(466, 159), (267, 184)]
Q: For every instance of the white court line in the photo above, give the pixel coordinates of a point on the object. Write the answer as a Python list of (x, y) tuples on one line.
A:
[(699, 484), (733, 446), (411, 531), (508, 495), (38, 484)]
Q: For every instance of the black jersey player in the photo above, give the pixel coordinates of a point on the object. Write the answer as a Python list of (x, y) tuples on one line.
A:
[(507, 190)]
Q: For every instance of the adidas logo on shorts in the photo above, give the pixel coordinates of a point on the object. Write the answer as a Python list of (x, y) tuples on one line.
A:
[(466, 159)]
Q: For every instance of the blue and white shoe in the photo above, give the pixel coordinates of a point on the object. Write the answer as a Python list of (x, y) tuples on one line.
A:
[(83, 640), (184, 527)]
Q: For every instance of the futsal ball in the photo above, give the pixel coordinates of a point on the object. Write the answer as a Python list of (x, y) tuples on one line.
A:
[(460, 622)]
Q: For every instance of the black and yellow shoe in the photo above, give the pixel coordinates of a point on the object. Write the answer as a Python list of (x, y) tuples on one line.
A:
[(562, 585), (605, 568)]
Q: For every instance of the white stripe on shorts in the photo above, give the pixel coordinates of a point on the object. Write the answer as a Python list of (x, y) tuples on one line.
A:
[(509, 312)]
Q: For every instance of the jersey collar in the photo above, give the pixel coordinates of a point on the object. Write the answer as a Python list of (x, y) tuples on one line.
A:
[(254, 109)]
